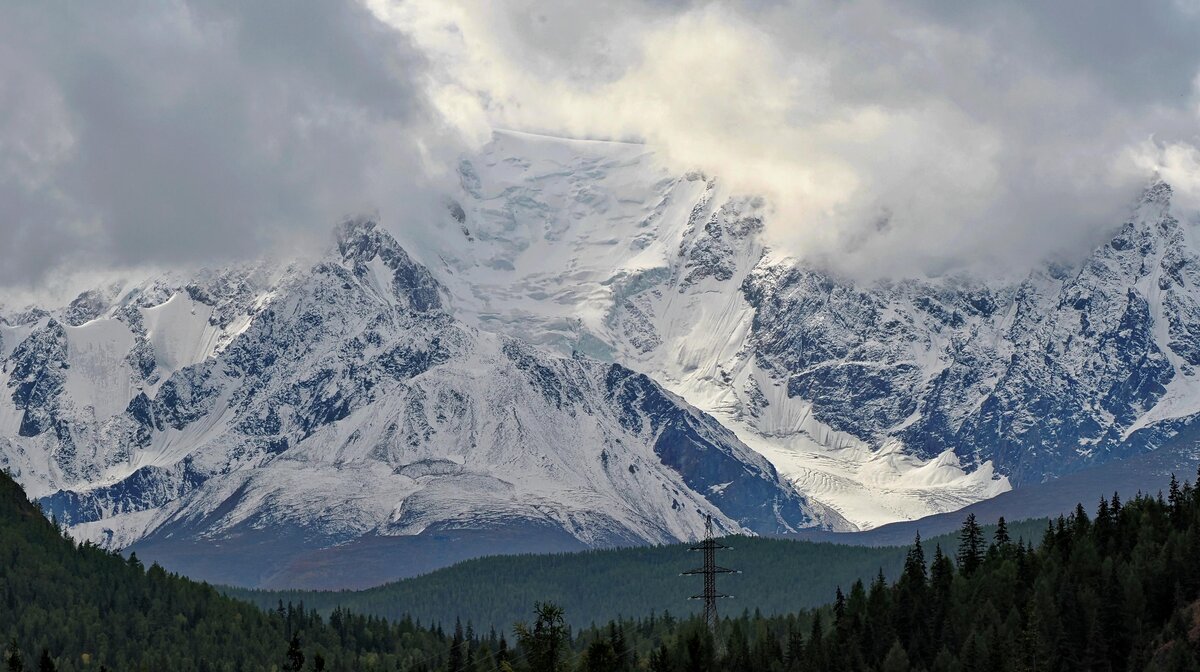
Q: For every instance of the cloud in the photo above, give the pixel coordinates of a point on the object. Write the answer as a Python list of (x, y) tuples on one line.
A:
[(891, 138), (140, 131)]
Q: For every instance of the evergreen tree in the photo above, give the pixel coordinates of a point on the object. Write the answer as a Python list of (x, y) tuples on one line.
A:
[(839, 607), (660, 660), (45, 663), (600, 657), (911, 601), (457, 662), (970, 546), (616, 637), (12, 657), (544, 644), (896, 660), (814, 652), (294, 661), (1001, 535)]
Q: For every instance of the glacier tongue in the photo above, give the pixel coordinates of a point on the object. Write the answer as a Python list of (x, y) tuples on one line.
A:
[(592, 247), (884, 401)]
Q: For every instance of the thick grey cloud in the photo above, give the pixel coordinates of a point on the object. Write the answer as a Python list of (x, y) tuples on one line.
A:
[(157, 132), (892, 137)]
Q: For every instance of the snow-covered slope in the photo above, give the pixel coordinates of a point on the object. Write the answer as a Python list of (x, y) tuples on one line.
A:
[(592, 247), (886, 401), (589, 347), (342, 400)]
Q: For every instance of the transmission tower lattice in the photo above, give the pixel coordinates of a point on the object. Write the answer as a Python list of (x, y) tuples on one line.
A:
[(709, 571)]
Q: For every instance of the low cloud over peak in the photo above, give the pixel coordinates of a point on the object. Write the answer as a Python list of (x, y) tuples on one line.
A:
[(889, 139), (900, 139)]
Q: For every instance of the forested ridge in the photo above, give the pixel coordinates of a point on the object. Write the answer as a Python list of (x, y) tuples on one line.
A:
[(779, 576), (1118, 589), (67, 606)]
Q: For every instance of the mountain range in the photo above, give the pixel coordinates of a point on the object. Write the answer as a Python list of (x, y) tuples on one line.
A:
[(584, 350)]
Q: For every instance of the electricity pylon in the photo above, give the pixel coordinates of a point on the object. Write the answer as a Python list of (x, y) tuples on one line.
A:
[(709, 571)]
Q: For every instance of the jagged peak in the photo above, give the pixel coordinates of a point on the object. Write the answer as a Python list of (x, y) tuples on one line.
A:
[(360, 240), (1158, 193)]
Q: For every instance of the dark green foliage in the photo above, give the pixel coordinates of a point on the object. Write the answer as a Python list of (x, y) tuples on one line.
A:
[(1114, 593), (778, 576), (295, 656), (970, 546), (69, 607), (545, 643), (12, 657), (1120, 592)]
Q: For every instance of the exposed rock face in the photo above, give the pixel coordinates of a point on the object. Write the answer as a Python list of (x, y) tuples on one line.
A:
[(350, 404), (585, 351), (1042, 378)]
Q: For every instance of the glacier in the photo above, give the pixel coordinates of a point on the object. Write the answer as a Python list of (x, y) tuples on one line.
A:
[(584, 350)]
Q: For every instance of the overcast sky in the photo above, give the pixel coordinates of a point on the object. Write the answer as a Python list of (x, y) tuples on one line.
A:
[(898, 137)]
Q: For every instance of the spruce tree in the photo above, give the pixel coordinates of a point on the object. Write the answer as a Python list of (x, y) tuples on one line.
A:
[(13, 657), (1001, 536), (660, 659), (294, 661), (896, 659), (457, 661), (970, 546), (545, 643), (600, 657)]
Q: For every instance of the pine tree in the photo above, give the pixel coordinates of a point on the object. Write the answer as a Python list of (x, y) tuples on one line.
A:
[(814, 652), (545, 643), (600, 657), (13, 657), (914, 564), (295, 656), (1176, 499), (660, 660), (1001, 536), (502, 651), (839, 608), (911, 600), (46, 664), (970, 546), (793, 656), (896, 659), (457, 662), (941, 580), (616, 637)]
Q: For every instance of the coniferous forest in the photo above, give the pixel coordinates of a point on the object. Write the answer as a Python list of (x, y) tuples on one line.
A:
[(1117, 588), (779, 576)]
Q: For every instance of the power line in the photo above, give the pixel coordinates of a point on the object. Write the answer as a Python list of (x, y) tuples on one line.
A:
[(709, 546)]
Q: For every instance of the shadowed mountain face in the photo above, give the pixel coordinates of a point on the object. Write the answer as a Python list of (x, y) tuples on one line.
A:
[(584, 352)]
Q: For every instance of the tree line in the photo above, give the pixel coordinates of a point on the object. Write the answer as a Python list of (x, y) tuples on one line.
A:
[(1118, 589)]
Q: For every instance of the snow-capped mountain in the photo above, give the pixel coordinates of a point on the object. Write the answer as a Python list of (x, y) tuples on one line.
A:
[(888, 400), (342, 400), (584, 350)]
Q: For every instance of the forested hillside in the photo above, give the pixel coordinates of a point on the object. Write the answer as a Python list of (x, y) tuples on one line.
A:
[(72, 607), (1119, 590), (779, 576)]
